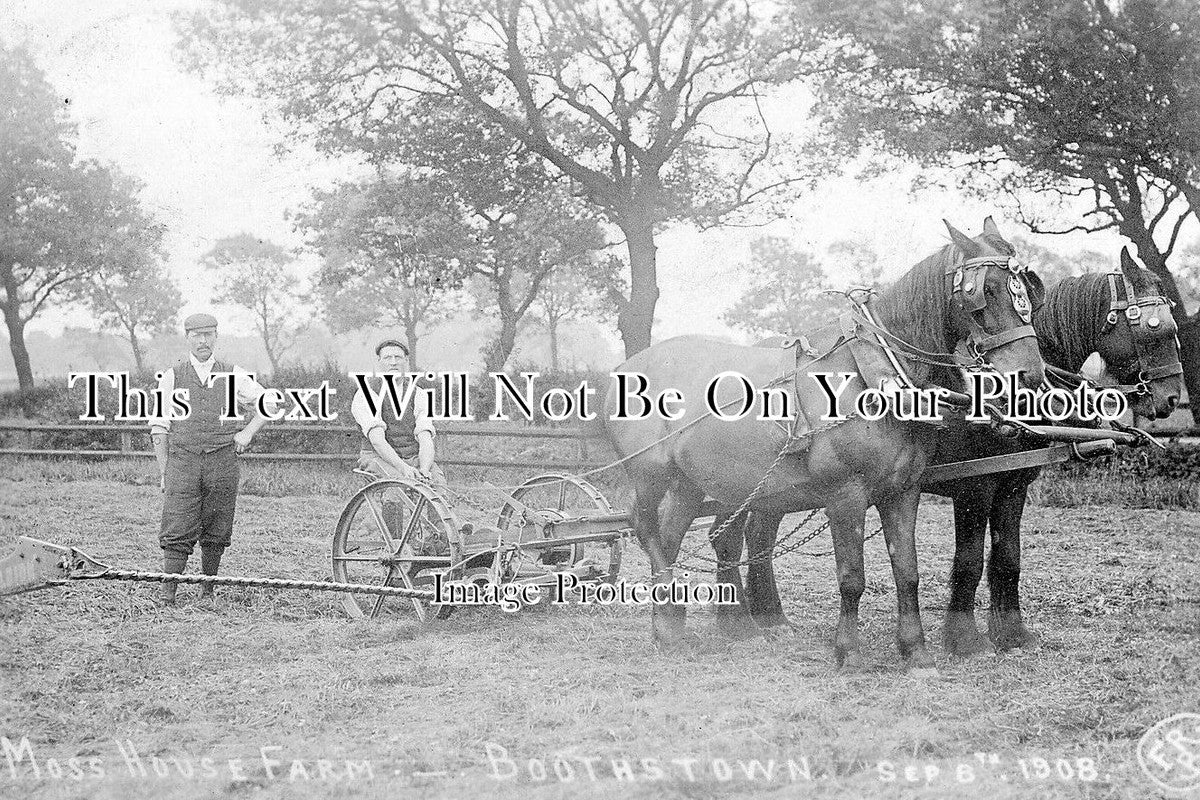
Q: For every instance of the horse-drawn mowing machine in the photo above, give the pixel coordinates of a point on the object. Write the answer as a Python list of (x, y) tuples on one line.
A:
[(401, 532), (400, 538)]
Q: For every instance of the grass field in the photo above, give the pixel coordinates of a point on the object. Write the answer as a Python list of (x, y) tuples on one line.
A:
[(279, 695)]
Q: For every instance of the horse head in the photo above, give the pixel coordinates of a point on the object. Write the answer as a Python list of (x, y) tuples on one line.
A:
[(1139, 341), (971, 296)]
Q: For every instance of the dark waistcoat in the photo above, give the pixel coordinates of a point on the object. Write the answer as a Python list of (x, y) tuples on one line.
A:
[(401, 431), (203, 431)]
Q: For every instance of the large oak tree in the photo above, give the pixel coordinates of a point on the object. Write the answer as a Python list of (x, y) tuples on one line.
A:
[(649, 108), (1086, 113)]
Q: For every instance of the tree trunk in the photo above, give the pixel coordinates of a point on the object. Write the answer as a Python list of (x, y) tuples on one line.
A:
[(410, 333), (636, 318), (271, 357), (16, 344), (502, 346), (553, 325), (136, 347)]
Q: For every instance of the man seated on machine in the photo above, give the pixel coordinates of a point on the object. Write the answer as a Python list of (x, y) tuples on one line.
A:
[(395, 447)]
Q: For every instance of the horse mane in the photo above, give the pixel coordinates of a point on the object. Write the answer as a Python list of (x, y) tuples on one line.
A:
[(915, 308), (1070, 322)]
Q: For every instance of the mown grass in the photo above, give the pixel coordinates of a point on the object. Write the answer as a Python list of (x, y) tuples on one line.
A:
[(1113, 593)]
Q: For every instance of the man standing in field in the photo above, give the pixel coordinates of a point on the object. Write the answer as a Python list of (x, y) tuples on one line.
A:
[(395, 446), (197, 455)]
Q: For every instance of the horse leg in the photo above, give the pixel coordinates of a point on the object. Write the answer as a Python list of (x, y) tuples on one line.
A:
[(733, 621), (961, 635), (648, 495), (1005, 624), (761, 589), (899, 517), (846, 516), (682, 504)]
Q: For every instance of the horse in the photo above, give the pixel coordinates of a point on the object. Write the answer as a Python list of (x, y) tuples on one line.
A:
[(960, 294), (1130, 326), (1080, 316)]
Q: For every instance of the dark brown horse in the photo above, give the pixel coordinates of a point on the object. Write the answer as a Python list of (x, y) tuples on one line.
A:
[(674, 464), (1080, 316)]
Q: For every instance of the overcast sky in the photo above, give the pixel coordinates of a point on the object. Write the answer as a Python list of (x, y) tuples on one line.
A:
[(210, 170)]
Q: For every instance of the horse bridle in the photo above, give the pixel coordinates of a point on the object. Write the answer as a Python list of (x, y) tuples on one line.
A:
[(967, 283), (1144, 327)]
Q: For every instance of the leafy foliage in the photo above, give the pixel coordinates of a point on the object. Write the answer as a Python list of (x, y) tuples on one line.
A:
[(650, 109), (63, 220), (1088, 107), (788, 286), (255, 275)]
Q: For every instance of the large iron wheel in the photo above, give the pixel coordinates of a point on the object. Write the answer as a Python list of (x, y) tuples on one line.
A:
[(561, 497), (393, 532)]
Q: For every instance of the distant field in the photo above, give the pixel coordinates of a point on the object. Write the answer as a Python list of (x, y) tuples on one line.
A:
[(95, 672)]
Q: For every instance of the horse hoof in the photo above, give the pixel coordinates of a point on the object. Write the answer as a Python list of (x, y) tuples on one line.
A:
[(772, 621), (851, 663), (1020, 638), (680, 641), (967, 646), (920, 664), (737, 628)]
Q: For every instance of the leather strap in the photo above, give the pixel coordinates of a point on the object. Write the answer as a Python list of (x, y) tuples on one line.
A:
[(989, 343)]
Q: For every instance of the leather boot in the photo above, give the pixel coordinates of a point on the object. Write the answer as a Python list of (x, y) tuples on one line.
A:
[(210, 563), (175, 564)]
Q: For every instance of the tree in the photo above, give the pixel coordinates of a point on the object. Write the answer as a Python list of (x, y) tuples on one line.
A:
[(137, 302), (394, 251), (855, 262), (1051, 266), (502, 215), (1081, 104), (785, 294), (62, 219), (649, 108), (256, 275), (572, 293)]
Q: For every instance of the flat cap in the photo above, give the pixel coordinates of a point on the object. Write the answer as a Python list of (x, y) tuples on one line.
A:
[(198, 321), (391, 343)]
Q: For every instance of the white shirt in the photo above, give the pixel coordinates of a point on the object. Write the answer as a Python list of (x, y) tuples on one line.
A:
[(248, 391), (361, 410)]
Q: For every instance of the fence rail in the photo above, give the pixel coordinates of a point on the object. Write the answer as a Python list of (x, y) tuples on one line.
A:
[(28, 434)]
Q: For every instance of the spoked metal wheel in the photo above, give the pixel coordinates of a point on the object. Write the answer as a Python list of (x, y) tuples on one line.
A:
[(561, 497), (393, 532)]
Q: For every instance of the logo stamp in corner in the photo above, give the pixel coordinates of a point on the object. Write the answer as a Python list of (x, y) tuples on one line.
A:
[(1169, 753)]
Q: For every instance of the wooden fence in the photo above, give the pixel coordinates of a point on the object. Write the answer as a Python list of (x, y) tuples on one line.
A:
[(27, 437)]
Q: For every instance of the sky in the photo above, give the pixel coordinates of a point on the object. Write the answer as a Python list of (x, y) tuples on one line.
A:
[(210, 168)]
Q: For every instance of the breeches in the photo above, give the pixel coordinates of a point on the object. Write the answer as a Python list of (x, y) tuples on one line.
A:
[(200, 499)]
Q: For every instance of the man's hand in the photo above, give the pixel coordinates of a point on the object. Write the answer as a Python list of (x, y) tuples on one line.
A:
[(242, 439)]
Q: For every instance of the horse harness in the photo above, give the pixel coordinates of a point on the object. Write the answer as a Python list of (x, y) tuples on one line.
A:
[(968, 281), (1144, 315), (873, 347)]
